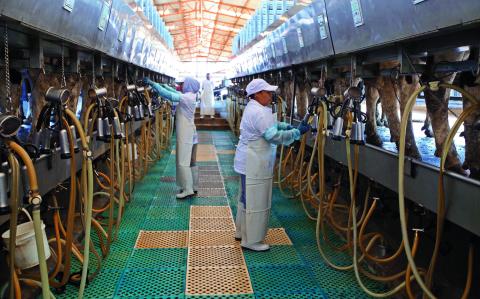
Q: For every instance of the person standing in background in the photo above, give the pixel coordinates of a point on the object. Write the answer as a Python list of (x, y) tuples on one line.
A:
[(186, 133), (207, 100)]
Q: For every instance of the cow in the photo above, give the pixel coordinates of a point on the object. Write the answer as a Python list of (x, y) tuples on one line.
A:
[(437, 103), (471, 131)]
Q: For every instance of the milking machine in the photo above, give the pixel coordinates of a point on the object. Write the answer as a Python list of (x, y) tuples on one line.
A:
[(350, 110), (137, 104), (109, 131)]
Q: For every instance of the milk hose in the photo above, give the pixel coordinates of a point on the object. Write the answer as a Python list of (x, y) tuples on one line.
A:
[(70, 215), (318, 150), (408, 285), (35, 283), (87, 175), (401, 192), (441, 194), (35, 199), (129, 150), (111, 191), (391, 258), (352, 183), (356, 266), (15, 290), (309, 176)]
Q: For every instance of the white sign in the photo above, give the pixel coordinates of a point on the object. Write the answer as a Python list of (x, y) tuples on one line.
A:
[(300, 37), (104, 15), (356, 12), (321, 26), (68, 5)]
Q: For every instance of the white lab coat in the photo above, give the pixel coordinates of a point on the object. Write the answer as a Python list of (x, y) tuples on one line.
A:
[(256, 120), (186, 138), (207, 99)]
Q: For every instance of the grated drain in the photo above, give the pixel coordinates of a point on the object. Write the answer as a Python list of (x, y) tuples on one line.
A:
[(162, 239)]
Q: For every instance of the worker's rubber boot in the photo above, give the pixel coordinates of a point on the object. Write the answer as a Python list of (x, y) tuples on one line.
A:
[(256, 246), (247, 243), (184, 195), (238, 221), (187, 182), (195, 178)]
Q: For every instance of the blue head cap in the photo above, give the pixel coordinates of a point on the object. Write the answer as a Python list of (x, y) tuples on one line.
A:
[(191, 85)]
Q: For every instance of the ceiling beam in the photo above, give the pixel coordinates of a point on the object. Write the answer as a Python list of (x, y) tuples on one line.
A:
[(247, 10)]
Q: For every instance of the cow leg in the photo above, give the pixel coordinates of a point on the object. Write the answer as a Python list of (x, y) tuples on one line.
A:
[(405, 90), (472, 136), (301, 98), (390, 106), (427, 127), (372, 96), (288, 97), (437, 107), (383, 118)]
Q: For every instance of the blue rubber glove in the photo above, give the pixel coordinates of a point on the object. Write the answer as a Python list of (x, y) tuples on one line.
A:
[(285, 137), (171, 95), (284, 126), (147, 80), (303, 127)]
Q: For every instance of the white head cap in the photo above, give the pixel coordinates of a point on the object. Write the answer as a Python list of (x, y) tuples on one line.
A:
[(257, 85)]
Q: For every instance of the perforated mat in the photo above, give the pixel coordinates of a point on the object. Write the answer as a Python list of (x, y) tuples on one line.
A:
[(277, 236), (162, 239), (207, 224), (212, 238), (202, 281), (210, 212), (215, 257)]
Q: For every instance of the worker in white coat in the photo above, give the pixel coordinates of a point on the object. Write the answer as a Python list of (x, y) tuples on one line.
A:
[(260, 133), (207, 100), (186, 133)]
